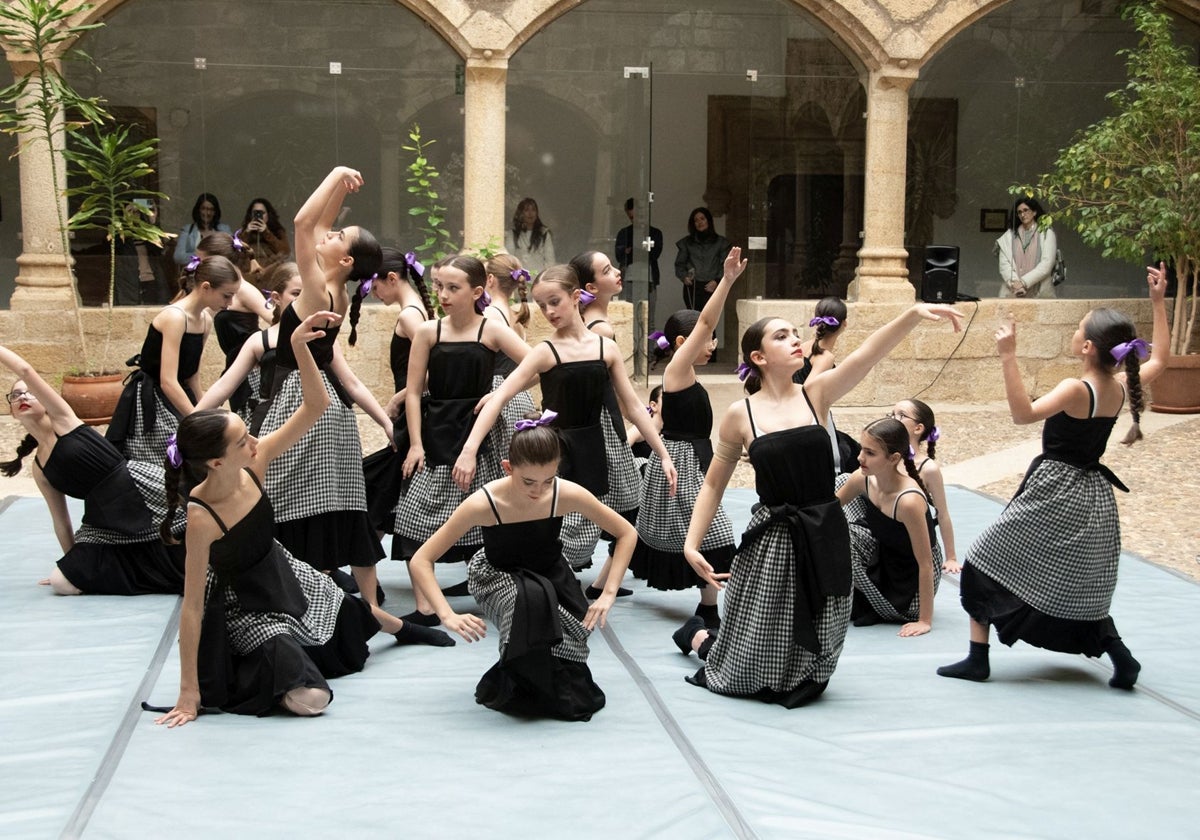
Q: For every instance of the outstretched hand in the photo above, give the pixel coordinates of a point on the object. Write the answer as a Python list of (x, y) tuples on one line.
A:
[(940, 312), (351, 179), (1006, 337), (468, 625), (704, 569), (1156, 279), (734, 264), (187, 708)]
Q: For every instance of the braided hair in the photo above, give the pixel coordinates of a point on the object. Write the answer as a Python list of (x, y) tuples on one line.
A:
[(681, 323), (503, 267), (27, 445), (828, 307), (752, 340), (924, 415), (893, 437), (200, 438), (1106, 328)]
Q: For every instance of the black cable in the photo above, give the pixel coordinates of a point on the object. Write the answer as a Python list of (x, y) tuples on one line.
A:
[(941, 370)]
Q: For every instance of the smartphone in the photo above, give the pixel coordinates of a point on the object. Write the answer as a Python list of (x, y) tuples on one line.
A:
[(144, 203)]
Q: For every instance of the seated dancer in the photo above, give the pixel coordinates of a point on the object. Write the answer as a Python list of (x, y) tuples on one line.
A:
[(524, 583)]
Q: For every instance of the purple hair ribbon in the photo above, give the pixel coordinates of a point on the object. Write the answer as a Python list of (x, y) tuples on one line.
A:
[(547, 417), (1137, 345), (520, 275), (415, 264), (238, 244), (744, 372), (650, 410), (267, 294), (659, 338), (364, 288), (827, 320), (585, 297), (933, 435), (174, 457), (483, 302), (192, 264), (911, 452)]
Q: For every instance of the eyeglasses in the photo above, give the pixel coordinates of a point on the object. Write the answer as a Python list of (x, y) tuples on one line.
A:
[(12, 396), (1023, 211), (900, 415)]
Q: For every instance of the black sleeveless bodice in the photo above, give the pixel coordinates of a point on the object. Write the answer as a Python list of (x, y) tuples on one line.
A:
[(1075, 440), (576, 391), (85, 465), (687, 415), (398, 353), (191, 346), (460, 373), (321, 348), (897, 574), (232, 329), (793, 466)]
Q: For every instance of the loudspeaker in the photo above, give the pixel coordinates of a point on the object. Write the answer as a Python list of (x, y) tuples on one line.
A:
[(940, 281)]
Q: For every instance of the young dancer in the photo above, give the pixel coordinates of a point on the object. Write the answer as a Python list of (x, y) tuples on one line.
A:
[(895, 563), (166, 384), (662, 521), (116, 550), (828, 323), (316, 487), (505, 277), (1045, 571), (919, 420), (574, 366), (454, 358), (788, 600), (524, 584), (260, 630), (401, 281)]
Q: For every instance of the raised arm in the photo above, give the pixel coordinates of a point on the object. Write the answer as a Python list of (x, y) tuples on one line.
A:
[(360, 393), (473, 511), (1068, 395), (679, 373), (1156, 279), (312, 387), (61, 416), (831, 386), (312, 222)]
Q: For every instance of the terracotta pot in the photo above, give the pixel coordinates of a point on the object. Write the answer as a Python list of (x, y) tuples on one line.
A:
[(93, 398), (1177, 390)]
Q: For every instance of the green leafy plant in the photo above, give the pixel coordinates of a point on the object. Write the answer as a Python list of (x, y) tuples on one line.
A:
[(111, 170), (41, 34), (1130, 183), (422, 186)]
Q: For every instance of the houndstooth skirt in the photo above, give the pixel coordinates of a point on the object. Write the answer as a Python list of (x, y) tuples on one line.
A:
[(149, 446), (148, 478), (755, 650), (1057, 543), (497, 594), (247, 630), (514, 410), (663, 520), (624, 480), (864, 554), (322, 472)]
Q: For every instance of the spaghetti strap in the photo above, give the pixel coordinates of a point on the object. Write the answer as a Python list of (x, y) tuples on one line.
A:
[(597, 321), (266, 340), (896, 504), (554, 500), (750, 417), (192, 500), (811, 410), (1091, 398), (601, 347), (438, 338), (491, 502), (254, 478), (413, 306), (479, 335), (500, 312), (554, 350)]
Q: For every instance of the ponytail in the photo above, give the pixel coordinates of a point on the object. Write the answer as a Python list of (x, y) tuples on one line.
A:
[(355, 310), (27, 445), (200, 438), (1133, 383), (523, 297), (171, 476)]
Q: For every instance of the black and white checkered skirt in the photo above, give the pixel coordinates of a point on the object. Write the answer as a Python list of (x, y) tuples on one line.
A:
[(663, 520), (496, 592), (248, 629), (432, 495), (514, 410), (624, 480), (864, 554), (322, 472), (755, 649), (1057, 544), (149, 446), (148, 478)]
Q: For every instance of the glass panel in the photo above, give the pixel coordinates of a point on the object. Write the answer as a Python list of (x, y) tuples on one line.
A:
[(10, 207), (247, 102), (991, 110)]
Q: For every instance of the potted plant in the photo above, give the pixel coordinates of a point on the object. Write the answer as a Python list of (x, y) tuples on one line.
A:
[(1130, 184)]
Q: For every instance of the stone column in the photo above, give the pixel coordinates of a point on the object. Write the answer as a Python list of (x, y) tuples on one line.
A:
[(882, 271), (483, 149), (43, 282)]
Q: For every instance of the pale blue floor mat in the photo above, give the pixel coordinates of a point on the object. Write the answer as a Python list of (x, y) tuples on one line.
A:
[(1044, 749)]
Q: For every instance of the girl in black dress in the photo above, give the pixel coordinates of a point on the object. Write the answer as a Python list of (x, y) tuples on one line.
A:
[(1045, 571), (506, 279), (575, 367), (662, 520), (166, 384), (116, 550), (259, 629), (787, 604), (892, 543), (524, 584)]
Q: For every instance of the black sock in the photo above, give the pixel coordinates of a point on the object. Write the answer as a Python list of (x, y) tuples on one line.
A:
[(974, 667), (418, 617), (456, 590), (708, 612), (684, 635), (1125, 667), (411, 633), (593, 593), (706, 645)]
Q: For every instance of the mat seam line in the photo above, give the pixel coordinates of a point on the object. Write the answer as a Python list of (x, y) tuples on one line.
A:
[(80, 817), (716, 792)]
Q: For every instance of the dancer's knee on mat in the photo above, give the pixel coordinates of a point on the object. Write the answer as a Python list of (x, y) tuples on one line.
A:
[(306, 702), (60, 585)]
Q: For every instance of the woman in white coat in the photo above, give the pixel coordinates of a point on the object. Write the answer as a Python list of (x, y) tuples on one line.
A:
[(1026, 253)]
